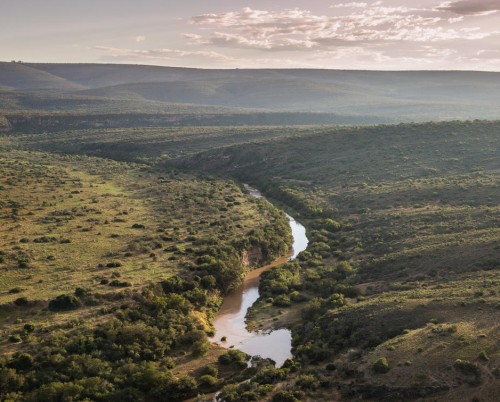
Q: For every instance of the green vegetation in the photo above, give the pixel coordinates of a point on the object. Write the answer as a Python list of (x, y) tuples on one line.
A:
[(403, 257), (381, 366), (112, 271), (120, 236)]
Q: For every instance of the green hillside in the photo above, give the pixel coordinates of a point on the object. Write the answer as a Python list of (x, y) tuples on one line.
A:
[(403, 260), (22, 77), (393, 96)]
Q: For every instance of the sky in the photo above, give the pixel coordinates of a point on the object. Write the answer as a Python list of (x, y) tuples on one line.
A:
[(333, 34)]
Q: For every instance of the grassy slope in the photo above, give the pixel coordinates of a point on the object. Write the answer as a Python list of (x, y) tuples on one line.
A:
[(152, 143), (64, 218), (419, 205), (22, 77)]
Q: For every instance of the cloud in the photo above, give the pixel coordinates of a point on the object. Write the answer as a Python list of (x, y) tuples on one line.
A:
[(353, 4), (244, 42), (140, 38), (298, 30), (160, 53), (471, 7)]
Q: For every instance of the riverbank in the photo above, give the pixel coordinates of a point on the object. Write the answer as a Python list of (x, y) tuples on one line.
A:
[(230, 323)]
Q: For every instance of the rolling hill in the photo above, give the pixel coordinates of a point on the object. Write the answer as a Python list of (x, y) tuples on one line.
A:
[(393, 96)]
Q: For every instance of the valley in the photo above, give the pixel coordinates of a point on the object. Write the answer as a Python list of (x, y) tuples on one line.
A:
[(125, 223)]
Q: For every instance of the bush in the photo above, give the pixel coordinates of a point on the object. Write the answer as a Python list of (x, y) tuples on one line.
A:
[(287, 396), (297, 297), (207, 380), (381, 366), (22, 301), (64, 302), (233, 356), (307, 381), (210, 370), (10, 380), (468, 367), (201, 348), (119, 284), (81, 292), (14, 338), (282, 301), (21, 361)]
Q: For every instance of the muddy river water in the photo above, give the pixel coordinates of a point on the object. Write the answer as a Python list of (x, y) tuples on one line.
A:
[(230, 321)]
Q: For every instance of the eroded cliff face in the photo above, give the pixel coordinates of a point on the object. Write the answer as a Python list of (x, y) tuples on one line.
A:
[(252, 257)]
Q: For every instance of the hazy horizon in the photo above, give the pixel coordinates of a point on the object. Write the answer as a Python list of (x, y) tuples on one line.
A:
[(249, 68)]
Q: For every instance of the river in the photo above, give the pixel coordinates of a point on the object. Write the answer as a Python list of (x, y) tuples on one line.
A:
[(230, 320)]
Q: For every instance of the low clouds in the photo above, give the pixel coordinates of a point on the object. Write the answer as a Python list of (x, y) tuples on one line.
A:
[(197, 58), (471, 7), (297, 29), (131, 54), (140, 38)]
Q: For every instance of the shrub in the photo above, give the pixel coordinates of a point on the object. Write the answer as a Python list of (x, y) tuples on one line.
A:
[(331, 367), (297, 297), (282, 301), (22, 301), (381, 366), (307, 381), (119, 284), (335, 300), (21, 361), (207, 380), (29, 327), (208, 282), (64, 302), (468, 367), (210, 370), (287, 396), (14, 338), (269, 375), (233, 356), (81, 292), (201, 348)]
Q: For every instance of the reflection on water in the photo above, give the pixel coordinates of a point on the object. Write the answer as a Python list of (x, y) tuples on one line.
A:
[(230, 321)]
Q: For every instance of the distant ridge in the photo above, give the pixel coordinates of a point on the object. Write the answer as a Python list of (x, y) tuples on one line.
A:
[(394, 95)]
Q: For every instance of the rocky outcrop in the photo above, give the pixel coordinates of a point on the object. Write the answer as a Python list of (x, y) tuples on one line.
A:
[(253, 257)]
